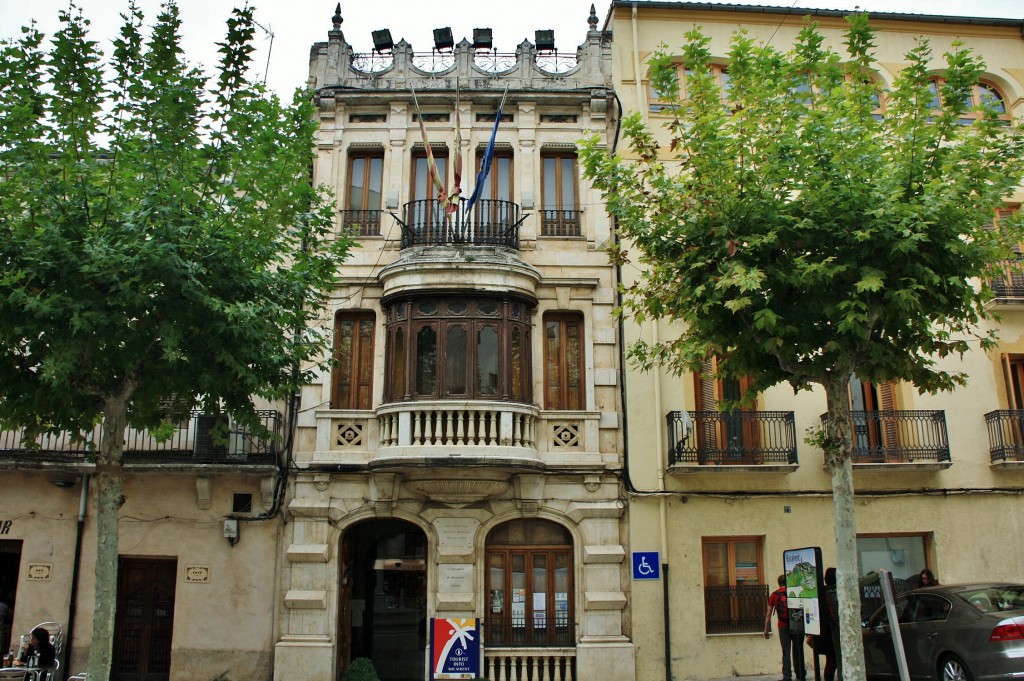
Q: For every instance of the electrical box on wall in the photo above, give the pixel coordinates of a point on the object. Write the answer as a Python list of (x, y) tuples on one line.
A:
[(231, 529)]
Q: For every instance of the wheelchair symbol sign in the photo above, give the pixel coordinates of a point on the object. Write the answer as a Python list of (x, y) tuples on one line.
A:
[(646, 565)]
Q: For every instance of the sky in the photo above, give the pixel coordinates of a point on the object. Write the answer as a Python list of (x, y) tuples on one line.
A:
[(297, 24)]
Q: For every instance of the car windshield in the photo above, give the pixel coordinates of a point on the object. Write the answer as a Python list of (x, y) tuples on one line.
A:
[(995, 598)]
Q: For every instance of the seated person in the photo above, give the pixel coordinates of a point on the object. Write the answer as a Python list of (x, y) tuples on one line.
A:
[(39, 643)]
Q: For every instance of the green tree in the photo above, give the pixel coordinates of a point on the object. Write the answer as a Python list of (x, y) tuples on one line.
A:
[(162, 246), (800, 236)]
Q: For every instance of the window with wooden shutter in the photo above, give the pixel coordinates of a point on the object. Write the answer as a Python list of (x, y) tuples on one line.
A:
[(724, 436), (875, 430), (352, 385), (735, 591)]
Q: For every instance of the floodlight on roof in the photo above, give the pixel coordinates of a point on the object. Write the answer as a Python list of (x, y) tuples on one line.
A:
[(382, 41), (482, 38), (443, 39), (544, 40)]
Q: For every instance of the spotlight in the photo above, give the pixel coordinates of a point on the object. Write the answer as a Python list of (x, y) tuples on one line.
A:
[(443, 39), (382, 41), (545, 41), (482, 38)]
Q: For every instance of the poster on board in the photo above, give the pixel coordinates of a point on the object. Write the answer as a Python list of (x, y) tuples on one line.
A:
[(455, 648), (804, 588)]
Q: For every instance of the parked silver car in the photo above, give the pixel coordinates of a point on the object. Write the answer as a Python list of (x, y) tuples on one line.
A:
[(965, 632)]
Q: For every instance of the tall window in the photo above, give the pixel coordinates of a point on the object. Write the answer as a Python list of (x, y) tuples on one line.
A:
[(426, 215), (365, 177), (561, 213), (904, 555), (352, 384), (459, 347), (719, 73), (735, 590), (494, 213), (1008, 280), (563, 361), (982, 94), (875, 429), (724, 436), (530, 585)]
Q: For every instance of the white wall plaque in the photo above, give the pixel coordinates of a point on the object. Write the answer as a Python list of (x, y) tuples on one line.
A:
[(455, 578), (39, 572), (455, 535)]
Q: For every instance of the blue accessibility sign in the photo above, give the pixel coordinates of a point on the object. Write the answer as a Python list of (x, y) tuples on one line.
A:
[(646, 565)]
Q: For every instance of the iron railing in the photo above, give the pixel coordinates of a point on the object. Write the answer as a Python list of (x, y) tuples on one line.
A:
[(199, 439), (1009, 282), (899, 436), (360, 222), (534, 631), (732, 438), (560, 223), (734, 609), (1005, 434), (490, 222)]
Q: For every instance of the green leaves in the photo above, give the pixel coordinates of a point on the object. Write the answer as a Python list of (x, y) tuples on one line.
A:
[(157, 237), (796, 227)]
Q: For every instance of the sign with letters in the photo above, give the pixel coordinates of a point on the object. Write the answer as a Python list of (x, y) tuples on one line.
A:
[(455, 648)]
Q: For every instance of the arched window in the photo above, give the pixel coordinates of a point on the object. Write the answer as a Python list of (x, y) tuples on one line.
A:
[(983, 94), (530, 585), (458, 347)]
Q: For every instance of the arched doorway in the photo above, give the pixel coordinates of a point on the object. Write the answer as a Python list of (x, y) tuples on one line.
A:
[(383, 591)]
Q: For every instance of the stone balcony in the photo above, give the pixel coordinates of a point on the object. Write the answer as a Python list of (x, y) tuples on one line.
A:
[(455, 433)]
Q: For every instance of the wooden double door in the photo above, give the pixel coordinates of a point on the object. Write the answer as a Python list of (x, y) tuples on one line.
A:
[(145, 619)]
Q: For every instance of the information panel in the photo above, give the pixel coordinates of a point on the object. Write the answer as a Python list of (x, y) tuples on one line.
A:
[(804, 588), (455, 648)]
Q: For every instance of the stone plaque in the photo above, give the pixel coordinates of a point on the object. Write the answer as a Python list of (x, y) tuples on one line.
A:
[(197, 574), (39, 572), (455, 578), (455, 535)]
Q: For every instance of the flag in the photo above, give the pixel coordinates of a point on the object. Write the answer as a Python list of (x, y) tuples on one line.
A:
[(453, 198), (432, 174), (485, 163)]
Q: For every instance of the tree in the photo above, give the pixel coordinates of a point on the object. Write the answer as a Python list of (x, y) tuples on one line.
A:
[(801, 236), (162, 246)]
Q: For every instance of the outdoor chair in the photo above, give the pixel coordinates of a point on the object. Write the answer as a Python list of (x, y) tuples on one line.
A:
[(13, 674)]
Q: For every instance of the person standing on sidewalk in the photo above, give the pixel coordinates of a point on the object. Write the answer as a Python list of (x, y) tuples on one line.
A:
[(792, 647)]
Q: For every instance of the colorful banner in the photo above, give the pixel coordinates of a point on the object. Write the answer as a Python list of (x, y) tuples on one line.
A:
[(804, 588), (455, 648)]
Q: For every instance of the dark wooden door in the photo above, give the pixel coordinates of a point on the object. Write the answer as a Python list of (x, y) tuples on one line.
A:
[(145, 619)]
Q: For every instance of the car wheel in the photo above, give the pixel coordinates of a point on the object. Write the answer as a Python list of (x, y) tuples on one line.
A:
[(954, 669)]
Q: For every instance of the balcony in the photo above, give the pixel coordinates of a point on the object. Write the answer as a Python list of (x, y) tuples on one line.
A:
[(356, 223), (899, 439), (560, 223), (1008, 284), (734, 609), (1006, 437), (715, 441), (201, 441), (489, 222)]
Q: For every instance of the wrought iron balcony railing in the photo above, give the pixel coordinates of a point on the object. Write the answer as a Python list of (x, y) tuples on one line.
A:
[(732, 438), (734, 609), (899, 436), (198, 439), (1005, 435), (560, 223), (489, 222), (360, 222), (1009, 282)]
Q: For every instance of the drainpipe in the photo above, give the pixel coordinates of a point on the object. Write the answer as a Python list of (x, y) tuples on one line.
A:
[(73, 604), (640, 99)]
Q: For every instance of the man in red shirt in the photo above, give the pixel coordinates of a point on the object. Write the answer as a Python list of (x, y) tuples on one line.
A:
[(777, 602)]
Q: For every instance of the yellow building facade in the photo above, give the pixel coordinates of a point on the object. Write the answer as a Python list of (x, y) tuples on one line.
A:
[(721, 496)]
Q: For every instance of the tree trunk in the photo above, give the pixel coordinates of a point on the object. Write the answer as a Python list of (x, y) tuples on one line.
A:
[(839, 462), (109, 464)]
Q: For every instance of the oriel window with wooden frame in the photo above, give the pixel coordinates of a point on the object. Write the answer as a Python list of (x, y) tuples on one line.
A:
[(352, 376), (564, 387), (530, 599), (735, 590)]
